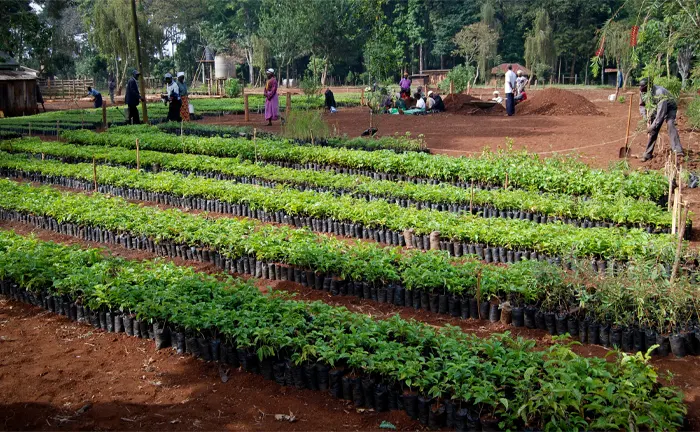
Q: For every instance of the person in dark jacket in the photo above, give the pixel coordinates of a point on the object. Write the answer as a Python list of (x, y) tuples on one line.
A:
[(132, 99), (664, 111), (439, 105), (173, 98), (330, 99)]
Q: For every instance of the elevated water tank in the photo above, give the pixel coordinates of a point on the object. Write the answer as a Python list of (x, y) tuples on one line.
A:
[(224, 67)]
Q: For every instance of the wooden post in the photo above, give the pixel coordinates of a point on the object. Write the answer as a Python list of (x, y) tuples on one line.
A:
[(627, 134), (362, 97), (671, 176), (94, 172), (471, 200), (245, 108), (679, 245), (505, 186), (138, 156), (288, 108), (255, 143), (58, 128), (104, 115), (452, 87)]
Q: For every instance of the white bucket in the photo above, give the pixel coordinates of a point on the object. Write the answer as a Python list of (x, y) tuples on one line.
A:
[(190, 107)]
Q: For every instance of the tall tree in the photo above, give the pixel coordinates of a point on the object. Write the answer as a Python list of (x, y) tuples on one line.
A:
[(539, 44), (477, 43), (285, 23)]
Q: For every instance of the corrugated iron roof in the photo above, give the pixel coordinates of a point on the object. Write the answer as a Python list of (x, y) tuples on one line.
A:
[(16, 75)]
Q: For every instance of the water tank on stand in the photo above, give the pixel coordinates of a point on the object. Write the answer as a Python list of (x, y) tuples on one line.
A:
[(224, 67)]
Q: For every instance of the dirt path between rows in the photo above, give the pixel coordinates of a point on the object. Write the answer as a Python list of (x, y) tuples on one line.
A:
[(188, 388)]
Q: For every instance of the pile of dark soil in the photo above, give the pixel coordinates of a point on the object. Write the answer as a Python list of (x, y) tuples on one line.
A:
[(464, 104), (556, 102)]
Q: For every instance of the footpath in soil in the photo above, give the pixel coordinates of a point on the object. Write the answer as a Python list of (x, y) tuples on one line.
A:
[(467, 105), (556, 102)]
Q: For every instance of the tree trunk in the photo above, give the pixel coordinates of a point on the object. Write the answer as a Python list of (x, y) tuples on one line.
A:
[(249, 60), (442, 61), (685, 56), (573, 67), (420, 58), (325, 72), (288, 74), (559, 73)]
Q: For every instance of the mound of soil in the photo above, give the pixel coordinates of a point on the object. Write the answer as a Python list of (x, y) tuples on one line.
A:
[(464, 104), (553, 101)]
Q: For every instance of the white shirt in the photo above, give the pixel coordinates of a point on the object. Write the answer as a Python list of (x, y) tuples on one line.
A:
[(420, 103), (431, 103), (510, 81), (173, 88), (498, 99)]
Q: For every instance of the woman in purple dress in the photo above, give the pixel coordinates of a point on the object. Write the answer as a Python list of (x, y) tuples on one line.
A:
[(271, 99)]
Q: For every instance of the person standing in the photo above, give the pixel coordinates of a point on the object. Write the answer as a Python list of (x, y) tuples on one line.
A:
[(664, 111), (271, 98), (520, 83), (111, 85), (132, 99), (405, 84), (185, 106), (97, 95), (509, 89), (173, 92)]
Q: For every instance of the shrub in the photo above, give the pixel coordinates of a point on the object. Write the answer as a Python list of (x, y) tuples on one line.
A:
[(305, 125), (233, 88), (460, 76), (693, 113)]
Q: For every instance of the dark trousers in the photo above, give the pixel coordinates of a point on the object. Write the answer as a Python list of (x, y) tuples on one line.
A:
[(98, 101), (510, 104), (134, 115), (174, 111), (670, 121)]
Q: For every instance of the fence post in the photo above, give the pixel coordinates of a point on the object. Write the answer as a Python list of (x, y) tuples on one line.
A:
[(245, 108)]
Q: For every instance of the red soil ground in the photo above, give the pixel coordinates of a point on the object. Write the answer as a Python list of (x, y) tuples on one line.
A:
[(554, 101)]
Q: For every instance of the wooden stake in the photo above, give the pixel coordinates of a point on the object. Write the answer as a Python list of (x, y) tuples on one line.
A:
[(104, 115), (362, 97), (58, 128), (138, 156), (671, 175), (94, 172), (255, 143), (627, 134), (679, 245), (478, 294), (245, 108), (506, 184), (30, 128), (452, 87), (471, 200)]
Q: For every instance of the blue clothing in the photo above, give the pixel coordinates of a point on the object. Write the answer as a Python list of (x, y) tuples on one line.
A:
[(133, 97), (94, 92), (98, 97)]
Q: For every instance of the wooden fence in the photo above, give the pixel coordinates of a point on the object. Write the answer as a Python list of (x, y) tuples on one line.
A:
[(65, 89)]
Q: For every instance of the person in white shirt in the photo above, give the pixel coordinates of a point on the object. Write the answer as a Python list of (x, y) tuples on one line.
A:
[(497, 97), (509, 90), (430, 102), (420, 103), (173, 97)]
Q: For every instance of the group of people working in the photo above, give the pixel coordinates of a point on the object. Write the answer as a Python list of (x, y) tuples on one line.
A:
[(515, 86), (403, 103)]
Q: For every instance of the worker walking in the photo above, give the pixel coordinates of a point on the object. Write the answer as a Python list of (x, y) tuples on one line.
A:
[(184, 98), (663, 109), (97, 95), (173, 94), (132, 99), (509, 90)]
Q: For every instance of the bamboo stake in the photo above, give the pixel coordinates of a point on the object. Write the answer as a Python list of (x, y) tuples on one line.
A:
[(674, 215), (104, 115), (671, 175), (245, 108), (255, 143), (627, 134), (679, 245), (138, 156), (42, 156), (506, 184), (471, 199), (94, 172)]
